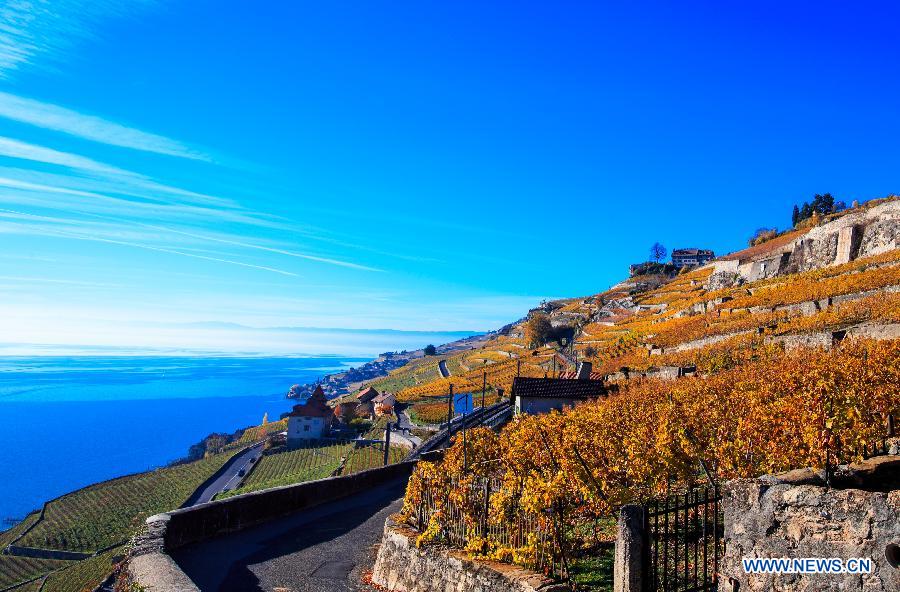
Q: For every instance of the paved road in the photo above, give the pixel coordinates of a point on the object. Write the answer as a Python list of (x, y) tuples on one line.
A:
[(442, 366), (324, 549), (229, 477), (405, 425)]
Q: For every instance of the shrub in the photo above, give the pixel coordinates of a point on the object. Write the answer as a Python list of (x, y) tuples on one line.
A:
[(538, 330)]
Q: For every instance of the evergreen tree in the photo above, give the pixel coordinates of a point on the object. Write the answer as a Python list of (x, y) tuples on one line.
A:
[(795, 216), (805, 211)]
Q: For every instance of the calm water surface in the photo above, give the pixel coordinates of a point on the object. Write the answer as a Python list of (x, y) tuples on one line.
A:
[(66, 422)]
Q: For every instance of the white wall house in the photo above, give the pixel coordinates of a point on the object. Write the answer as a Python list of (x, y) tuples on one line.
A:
[(306, 428), (311, 420)]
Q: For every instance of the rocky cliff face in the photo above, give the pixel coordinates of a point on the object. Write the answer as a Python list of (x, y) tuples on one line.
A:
[(861, 232), (857, 234)]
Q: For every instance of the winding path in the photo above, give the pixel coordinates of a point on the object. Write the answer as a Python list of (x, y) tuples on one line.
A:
[(442, 367), (323, 549), (228, 476)]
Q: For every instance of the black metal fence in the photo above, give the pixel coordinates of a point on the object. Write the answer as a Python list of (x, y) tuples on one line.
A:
[(685, 541), (534, 541)]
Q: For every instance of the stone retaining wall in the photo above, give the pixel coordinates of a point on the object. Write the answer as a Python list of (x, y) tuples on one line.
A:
[(401, 567), (768, 518), (152, 569)]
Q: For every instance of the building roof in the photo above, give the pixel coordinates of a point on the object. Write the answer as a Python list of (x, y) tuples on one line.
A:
[(557, 388), (315, 406), (385, 399), (691, 252), (366, 394)]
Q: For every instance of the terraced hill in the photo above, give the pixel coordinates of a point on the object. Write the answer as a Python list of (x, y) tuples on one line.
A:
[(838, 277), (88, 529)]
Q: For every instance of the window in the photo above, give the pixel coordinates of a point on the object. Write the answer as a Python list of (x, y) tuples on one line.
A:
[(306, 428)]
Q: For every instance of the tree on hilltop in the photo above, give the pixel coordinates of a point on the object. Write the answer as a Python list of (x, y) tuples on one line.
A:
[(795, 216), (538, 329), (658, 252), (762, 235), (430, 350)]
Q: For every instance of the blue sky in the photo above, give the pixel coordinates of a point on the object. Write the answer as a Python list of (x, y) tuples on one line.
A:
[(406, 165)]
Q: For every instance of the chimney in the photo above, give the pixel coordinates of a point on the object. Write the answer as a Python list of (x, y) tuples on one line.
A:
[(584, 371)]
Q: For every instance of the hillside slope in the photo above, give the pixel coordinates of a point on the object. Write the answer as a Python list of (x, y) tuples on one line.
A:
[(837, 278)]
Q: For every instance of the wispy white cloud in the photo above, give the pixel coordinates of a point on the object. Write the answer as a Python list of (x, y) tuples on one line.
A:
[(338, 262), (125, 217), (48, 29), (12, 148), (90, 127), (26, 193), (67, 232)]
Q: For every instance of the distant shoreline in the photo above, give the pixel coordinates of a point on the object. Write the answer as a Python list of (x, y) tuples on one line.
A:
[(344, 383)]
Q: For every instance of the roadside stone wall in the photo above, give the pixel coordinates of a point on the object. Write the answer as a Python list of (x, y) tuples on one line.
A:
[(151, 568), (770, 518), (402, 567)]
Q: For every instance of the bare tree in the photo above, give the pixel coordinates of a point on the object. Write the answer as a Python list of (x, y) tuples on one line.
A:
[(658, 252)]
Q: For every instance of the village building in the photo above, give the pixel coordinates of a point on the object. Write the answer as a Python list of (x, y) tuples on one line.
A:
[(685, 257), (365, 410), (367, 394), (345, 411), (542, 395), (384, 404), (311, 420)]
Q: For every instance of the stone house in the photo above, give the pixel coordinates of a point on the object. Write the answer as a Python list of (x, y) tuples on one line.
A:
[(685, 257), (384, 404), (311, 420)]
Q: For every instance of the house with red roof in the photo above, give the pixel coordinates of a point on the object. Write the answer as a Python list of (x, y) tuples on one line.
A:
[(311, 420), (367, 394)]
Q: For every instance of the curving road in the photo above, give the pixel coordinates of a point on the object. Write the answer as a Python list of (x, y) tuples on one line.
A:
[(323, 549), (442, 366), (229, 476)]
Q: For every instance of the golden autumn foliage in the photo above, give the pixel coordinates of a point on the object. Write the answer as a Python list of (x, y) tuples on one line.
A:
[(777, 412)]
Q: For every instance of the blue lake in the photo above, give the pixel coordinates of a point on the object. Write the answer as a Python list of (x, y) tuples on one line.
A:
[(66, 422)]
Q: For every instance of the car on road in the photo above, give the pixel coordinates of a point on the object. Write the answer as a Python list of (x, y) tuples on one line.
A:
[(242, 472)]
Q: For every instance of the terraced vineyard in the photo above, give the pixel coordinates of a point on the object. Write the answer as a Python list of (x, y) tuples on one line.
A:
[(107, 513), (419, 371), (317, 460), (84, 575), (8, 536), (370, 457), (257, 433), (14, 570)]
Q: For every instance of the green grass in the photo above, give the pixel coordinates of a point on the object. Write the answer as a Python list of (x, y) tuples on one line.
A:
[(84, 575), (107, 513), (594, 573), (20, 569)]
